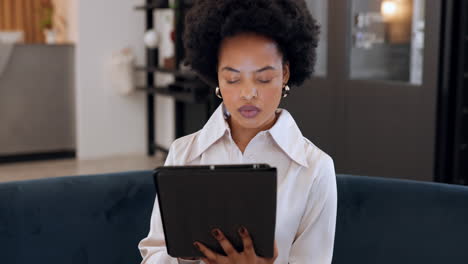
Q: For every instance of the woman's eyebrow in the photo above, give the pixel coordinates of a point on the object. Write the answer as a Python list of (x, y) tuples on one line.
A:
[(227, 68), (266, 68)]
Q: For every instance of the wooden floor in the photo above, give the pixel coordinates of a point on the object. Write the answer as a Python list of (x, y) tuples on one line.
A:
[(69, 167)]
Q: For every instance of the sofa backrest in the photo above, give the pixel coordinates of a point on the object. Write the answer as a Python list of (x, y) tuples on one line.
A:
[(101, 218), (78, 219), (384, 221)]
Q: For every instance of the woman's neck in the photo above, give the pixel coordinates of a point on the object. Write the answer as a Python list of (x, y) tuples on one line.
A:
[(242, 136)]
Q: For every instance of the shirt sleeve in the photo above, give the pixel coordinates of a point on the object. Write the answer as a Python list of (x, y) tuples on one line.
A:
[(153, 247), (183, 261), (315, 236)]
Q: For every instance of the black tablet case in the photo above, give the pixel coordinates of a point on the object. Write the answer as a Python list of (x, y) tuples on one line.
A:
[(195, 199)]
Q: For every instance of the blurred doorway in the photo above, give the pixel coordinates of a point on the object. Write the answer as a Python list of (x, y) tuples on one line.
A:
[(374, 107)]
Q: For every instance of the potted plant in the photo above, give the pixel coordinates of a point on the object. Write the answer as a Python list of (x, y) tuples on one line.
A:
[(47, 21)]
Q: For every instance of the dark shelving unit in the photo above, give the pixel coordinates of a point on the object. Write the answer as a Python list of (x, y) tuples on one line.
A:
[(177, 73), (186, 90), (182, 96), (155, 4)]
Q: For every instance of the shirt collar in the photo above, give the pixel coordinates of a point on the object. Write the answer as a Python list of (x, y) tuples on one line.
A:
[(284, 132), (213, 130)]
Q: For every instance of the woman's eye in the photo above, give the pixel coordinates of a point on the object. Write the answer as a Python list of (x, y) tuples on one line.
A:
[(231, 81), (264, 81)]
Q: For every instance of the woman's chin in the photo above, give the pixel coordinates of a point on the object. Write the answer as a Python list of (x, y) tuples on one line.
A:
[(249, 123)]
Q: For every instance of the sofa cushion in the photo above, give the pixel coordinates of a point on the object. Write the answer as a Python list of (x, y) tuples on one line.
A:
[(400, 221), (78, 219)]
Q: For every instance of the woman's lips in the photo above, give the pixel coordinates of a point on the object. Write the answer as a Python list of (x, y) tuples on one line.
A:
[(249, 111)]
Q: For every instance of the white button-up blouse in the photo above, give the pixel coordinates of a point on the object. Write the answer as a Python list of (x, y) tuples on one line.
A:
[(306, 195)]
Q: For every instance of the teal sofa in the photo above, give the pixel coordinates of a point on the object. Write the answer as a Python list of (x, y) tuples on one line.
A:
[(99, 219)]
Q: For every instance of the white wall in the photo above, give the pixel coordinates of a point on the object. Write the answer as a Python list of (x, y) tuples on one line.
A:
[(109, 124)]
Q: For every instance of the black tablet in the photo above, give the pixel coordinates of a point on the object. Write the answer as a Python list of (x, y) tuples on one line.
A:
[(195, 199)]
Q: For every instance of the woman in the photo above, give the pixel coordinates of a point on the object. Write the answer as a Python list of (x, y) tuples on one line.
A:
[(252, 51)]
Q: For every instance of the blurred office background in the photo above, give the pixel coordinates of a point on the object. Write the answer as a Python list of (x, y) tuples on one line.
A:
[(99, 86)]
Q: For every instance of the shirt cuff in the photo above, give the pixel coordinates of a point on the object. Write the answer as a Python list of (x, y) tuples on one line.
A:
[(186, 261)]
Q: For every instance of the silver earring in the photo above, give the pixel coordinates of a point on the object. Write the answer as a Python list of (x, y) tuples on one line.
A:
[(218, 93), (286, 91)]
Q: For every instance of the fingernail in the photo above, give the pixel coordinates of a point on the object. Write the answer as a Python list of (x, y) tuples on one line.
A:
[(216, 233), (196, 245), (242, 230)]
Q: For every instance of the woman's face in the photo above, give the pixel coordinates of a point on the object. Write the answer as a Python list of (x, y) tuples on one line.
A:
[(251, 76)]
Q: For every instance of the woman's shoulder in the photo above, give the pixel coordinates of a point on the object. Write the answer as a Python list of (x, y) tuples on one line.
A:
[(315, 151), (181, 148), (320, 171), (317, 159), (184, 141)]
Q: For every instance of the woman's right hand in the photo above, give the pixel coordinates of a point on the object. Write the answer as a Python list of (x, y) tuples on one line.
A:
[(248, 256)]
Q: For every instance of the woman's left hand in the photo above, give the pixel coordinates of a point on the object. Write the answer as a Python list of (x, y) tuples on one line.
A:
[(248, 256)]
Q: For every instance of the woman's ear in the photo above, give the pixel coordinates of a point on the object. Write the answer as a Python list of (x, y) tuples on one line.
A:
[(286, 73)]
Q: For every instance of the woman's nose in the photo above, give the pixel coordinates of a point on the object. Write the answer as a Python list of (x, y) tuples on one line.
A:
[(248, 92)]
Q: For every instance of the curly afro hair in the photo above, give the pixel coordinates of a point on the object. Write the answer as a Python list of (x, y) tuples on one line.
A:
[(287, 22)]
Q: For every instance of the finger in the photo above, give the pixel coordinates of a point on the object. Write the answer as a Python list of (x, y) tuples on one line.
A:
[(247, 241), (224, 242), (212, 256)]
